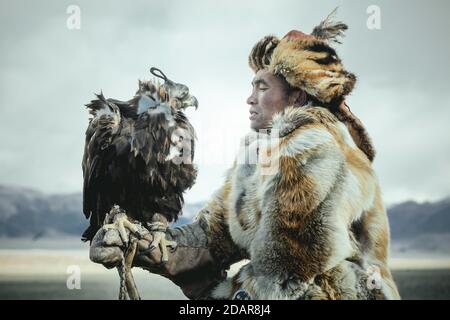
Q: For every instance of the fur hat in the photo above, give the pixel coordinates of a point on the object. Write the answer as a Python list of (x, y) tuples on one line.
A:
[(307, 61)]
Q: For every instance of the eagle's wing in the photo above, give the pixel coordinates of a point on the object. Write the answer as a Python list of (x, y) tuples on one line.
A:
[(128, 109), (103, 126)]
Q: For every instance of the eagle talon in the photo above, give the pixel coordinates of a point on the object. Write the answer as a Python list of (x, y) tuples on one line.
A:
[(146, 251), (159, 240), (124, 227), (171, 244)]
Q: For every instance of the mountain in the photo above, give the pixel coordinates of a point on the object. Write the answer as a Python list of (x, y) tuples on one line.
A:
[(411, 219), (28, 213), (418, 228)]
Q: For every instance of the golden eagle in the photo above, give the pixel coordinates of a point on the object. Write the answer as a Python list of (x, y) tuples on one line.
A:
[(138, 155)]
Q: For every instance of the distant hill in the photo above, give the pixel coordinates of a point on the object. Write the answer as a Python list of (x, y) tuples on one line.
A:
[(411, 219), (420, 227), (29, 213), (26, 212)]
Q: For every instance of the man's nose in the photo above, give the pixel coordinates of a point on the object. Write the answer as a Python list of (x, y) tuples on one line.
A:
[(251, 100)]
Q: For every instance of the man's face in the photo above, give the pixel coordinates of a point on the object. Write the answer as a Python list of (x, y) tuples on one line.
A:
[(268, 97)]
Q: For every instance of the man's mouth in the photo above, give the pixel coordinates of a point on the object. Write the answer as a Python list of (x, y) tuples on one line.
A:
[(253, 115)]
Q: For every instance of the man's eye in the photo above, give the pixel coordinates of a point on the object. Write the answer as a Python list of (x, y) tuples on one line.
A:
[(263, 88)]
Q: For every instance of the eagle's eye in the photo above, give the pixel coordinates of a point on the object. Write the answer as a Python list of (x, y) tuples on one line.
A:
[(183, 94)]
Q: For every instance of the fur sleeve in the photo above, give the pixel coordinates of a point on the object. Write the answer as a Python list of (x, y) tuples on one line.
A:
[(214, 218), (205, 249)]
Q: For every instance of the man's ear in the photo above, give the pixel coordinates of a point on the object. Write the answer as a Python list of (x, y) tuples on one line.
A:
[(298, 98)]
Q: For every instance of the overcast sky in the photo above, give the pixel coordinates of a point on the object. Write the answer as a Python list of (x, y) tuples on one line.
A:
[(48, 72)]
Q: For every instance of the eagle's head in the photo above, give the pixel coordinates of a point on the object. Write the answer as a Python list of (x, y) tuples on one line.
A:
[(153, 94)]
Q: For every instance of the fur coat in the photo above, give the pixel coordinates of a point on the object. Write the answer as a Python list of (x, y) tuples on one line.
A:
[(308, 214)]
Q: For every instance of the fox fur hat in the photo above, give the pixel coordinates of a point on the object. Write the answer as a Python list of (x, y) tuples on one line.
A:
[(307, 61)]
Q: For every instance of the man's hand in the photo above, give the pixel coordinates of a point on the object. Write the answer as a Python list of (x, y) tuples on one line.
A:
[(110, 255), (107, 248)]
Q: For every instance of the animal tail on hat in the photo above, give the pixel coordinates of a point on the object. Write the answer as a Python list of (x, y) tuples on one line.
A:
[(261, 53), (356, 129), (329, 30)]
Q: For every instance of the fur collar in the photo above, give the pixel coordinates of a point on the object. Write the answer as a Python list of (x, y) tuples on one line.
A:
[(293, 117)]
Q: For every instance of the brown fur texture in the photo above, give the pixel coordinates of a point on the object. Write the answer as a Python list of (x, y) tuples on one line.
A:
[(313, 66), (215, 216), (261, 54), (357, 130), (312, 227)]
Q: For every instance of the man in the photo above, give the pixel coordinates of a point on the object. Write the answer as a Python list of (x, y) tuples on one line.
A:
[(308, 214)]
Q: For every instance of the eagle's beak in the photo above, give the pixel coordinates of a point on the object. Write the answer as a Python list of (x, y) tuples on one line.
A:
[(191, 102)]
